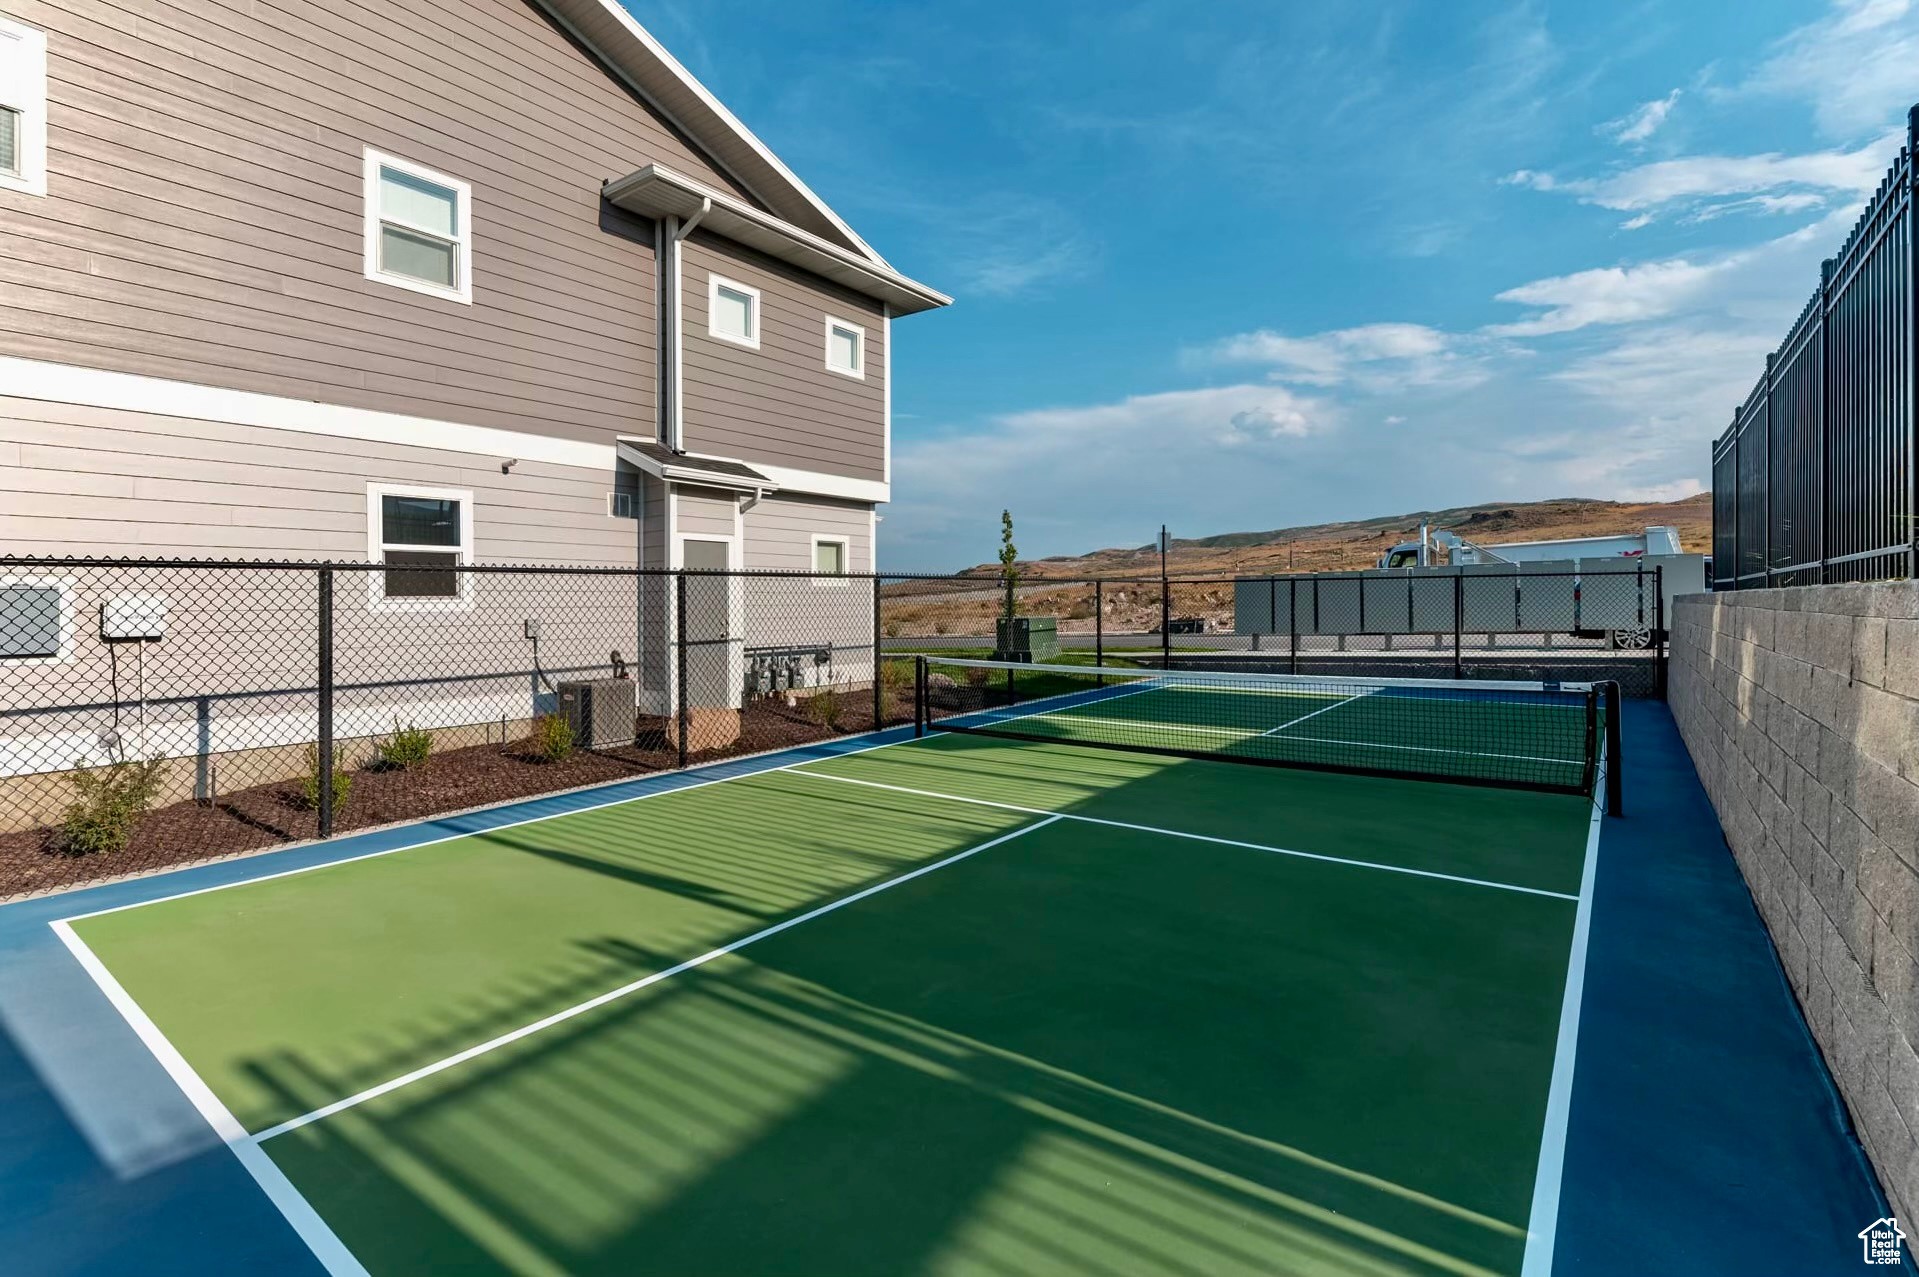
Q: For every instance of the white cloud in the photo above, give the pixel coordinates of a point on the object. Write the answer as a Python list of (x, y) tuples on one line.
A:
[(1855, 66), (1609, 295), (1642, 122), (1378, 357), (1707, 186)]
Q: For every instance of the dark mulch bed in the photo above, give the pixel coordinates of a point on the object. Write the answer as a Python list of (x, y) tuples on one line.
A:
[(270, 815)]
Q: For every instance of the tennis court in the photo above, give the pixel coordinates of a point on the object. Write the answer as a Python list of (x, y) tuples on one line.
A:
[(957, 1004)]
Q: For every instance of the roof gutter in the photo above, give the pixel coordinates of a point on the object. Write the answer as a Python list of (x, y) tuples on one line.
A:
[(660, 193)]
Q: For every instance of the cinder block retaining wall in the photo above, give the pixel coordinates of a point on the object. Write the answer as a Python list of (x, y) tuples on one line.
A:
[(1801, 709)]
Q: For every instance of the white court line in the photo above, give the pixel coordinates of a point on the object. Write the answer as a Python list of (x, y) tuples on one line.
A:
[(320, 1239), (493, 829), (1542, 1224), (1180, 833), (1315, 714), (611, 995)]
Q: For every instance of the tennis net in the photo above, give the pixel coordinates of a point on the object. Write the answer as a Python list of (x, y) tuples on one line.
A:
[(1542, 736)]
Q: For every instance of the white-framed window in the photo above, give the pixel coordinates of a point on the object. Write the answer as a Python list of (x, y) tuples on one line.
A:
[(419, 228), (832, 559), (845, 348), (36, 620), (733, 312), (23, 108), (417, 533)]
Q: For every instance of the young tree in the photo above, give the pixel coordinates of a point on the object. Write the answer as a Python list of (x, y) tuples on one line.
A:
[(1008, 561)]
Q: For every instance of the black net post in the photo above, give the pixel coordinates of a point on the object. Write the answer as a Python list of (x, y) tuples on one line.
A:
[(919, 696), (1165, 624), (323, 757), (682, 711), (1615, 785), (1292, 625), (879, 689), (1459, 622), (1099, 628)]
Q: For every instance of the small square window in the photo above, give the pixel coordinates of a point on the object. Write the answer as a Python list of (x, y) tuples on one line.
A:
[(845, 348), (32, 620), (829, 560), (420, 534), (733, 312), (419, 231)]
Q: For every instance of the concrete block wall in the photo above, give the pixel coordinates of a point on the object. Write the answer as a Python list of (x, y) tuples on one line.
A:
[(1801, 710)]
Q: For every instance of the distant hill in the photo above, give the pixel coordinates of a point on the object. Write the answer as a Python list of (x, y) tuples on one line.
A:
[(1358, 543)]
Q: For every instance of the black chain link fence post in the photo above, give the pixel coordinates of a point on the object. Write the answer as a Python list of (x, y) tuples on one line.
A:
[(1099, 628), (879, 683), (323, 757), (682, 712)]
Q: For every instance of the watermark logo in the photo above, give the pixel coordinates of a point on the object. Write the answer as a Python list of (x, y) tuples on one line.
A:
[(1880, 1241)]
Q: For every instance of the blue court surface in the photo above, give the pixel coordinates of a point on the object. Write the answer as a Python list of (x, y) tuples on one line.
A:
[(1597, 997)]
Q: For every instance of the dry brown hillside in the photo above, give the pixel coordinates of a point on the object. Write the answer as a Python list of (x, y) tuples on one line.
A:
[(1359, 543)]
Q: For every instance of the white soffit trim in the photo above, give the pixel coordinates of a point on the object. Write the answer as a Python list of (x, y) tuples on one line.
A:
[(658, 192), (813, 483), (128, 392), (657, 76)]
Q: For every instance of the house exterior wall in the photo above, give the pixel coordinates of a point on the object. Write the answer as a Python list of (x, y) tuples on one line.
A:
[(204, 221), (77, 479), (1801, 709), (780, 531), (780, 403)]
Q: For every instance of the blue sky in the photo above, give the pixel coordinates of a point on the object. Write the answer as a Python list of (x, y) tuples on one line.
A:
[(1241, 264)]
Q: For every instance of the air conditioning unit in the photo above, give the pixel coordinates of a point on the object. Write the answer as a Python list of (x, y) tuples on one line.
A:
[(601, 712)]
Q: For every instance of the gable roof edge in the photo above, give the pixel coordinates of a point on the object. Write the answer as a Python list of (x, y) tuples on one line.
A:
[(650, 71)]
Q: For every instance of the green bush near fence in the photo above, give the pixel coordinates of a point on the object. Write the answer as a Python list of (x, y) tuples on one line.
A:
[(310, 783), (409, 746), (551, 740), (108, 803)]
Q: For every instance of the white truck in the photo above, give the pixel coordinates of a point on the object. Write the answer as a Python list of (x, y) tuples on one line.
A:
[(1655, 547), (1420, 553)]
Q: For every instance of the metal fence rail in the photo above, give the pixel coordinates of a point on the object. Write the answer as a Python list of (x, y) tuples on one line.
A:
[(156, 712), (1814, 479)]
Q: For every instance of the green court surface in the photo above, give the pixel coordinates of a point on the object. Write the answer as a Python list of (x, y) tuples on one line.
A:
[(954, 1006), (1537, 736)]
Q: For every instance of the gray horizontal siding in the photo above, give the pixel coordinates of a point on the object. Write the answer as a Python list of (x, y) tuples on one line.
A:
[(706, 513), (204, 219), (80, 480), (779, 404), (779, 533)]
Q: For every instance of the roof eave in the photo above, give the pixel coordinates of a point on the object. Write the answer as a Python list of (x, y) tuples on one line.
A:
[(656, 191), (657, 76)]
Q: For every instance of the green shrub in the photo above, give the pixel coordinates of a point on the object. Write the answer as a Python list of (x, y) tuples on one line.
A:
[(552, 739), (826, 707), (409, 746), (108, 803), (310, 783), (895, 675)]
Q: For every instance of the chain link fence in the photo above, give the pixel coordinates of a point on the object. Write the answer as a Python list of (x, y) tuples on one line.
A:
[(157, 712)]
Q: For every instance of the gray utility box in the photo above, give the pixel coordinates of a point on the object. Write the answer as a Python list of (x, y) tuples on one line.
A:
[(1027, 638), (600, 712)]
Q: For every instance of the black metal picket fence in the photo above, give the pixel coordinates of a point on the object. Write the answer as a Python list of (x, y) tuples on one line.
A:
[(1814, 480), (154, 712)]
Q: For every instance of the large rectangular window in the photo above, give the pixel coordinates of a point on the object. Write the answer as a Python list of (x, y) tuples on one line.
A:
[(419, 228), (419, 533), (733, 312), (23, 108)]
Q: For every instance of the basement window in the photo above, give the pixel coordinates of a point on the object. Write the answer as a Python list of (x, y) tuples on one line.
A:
[(420, 533)]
